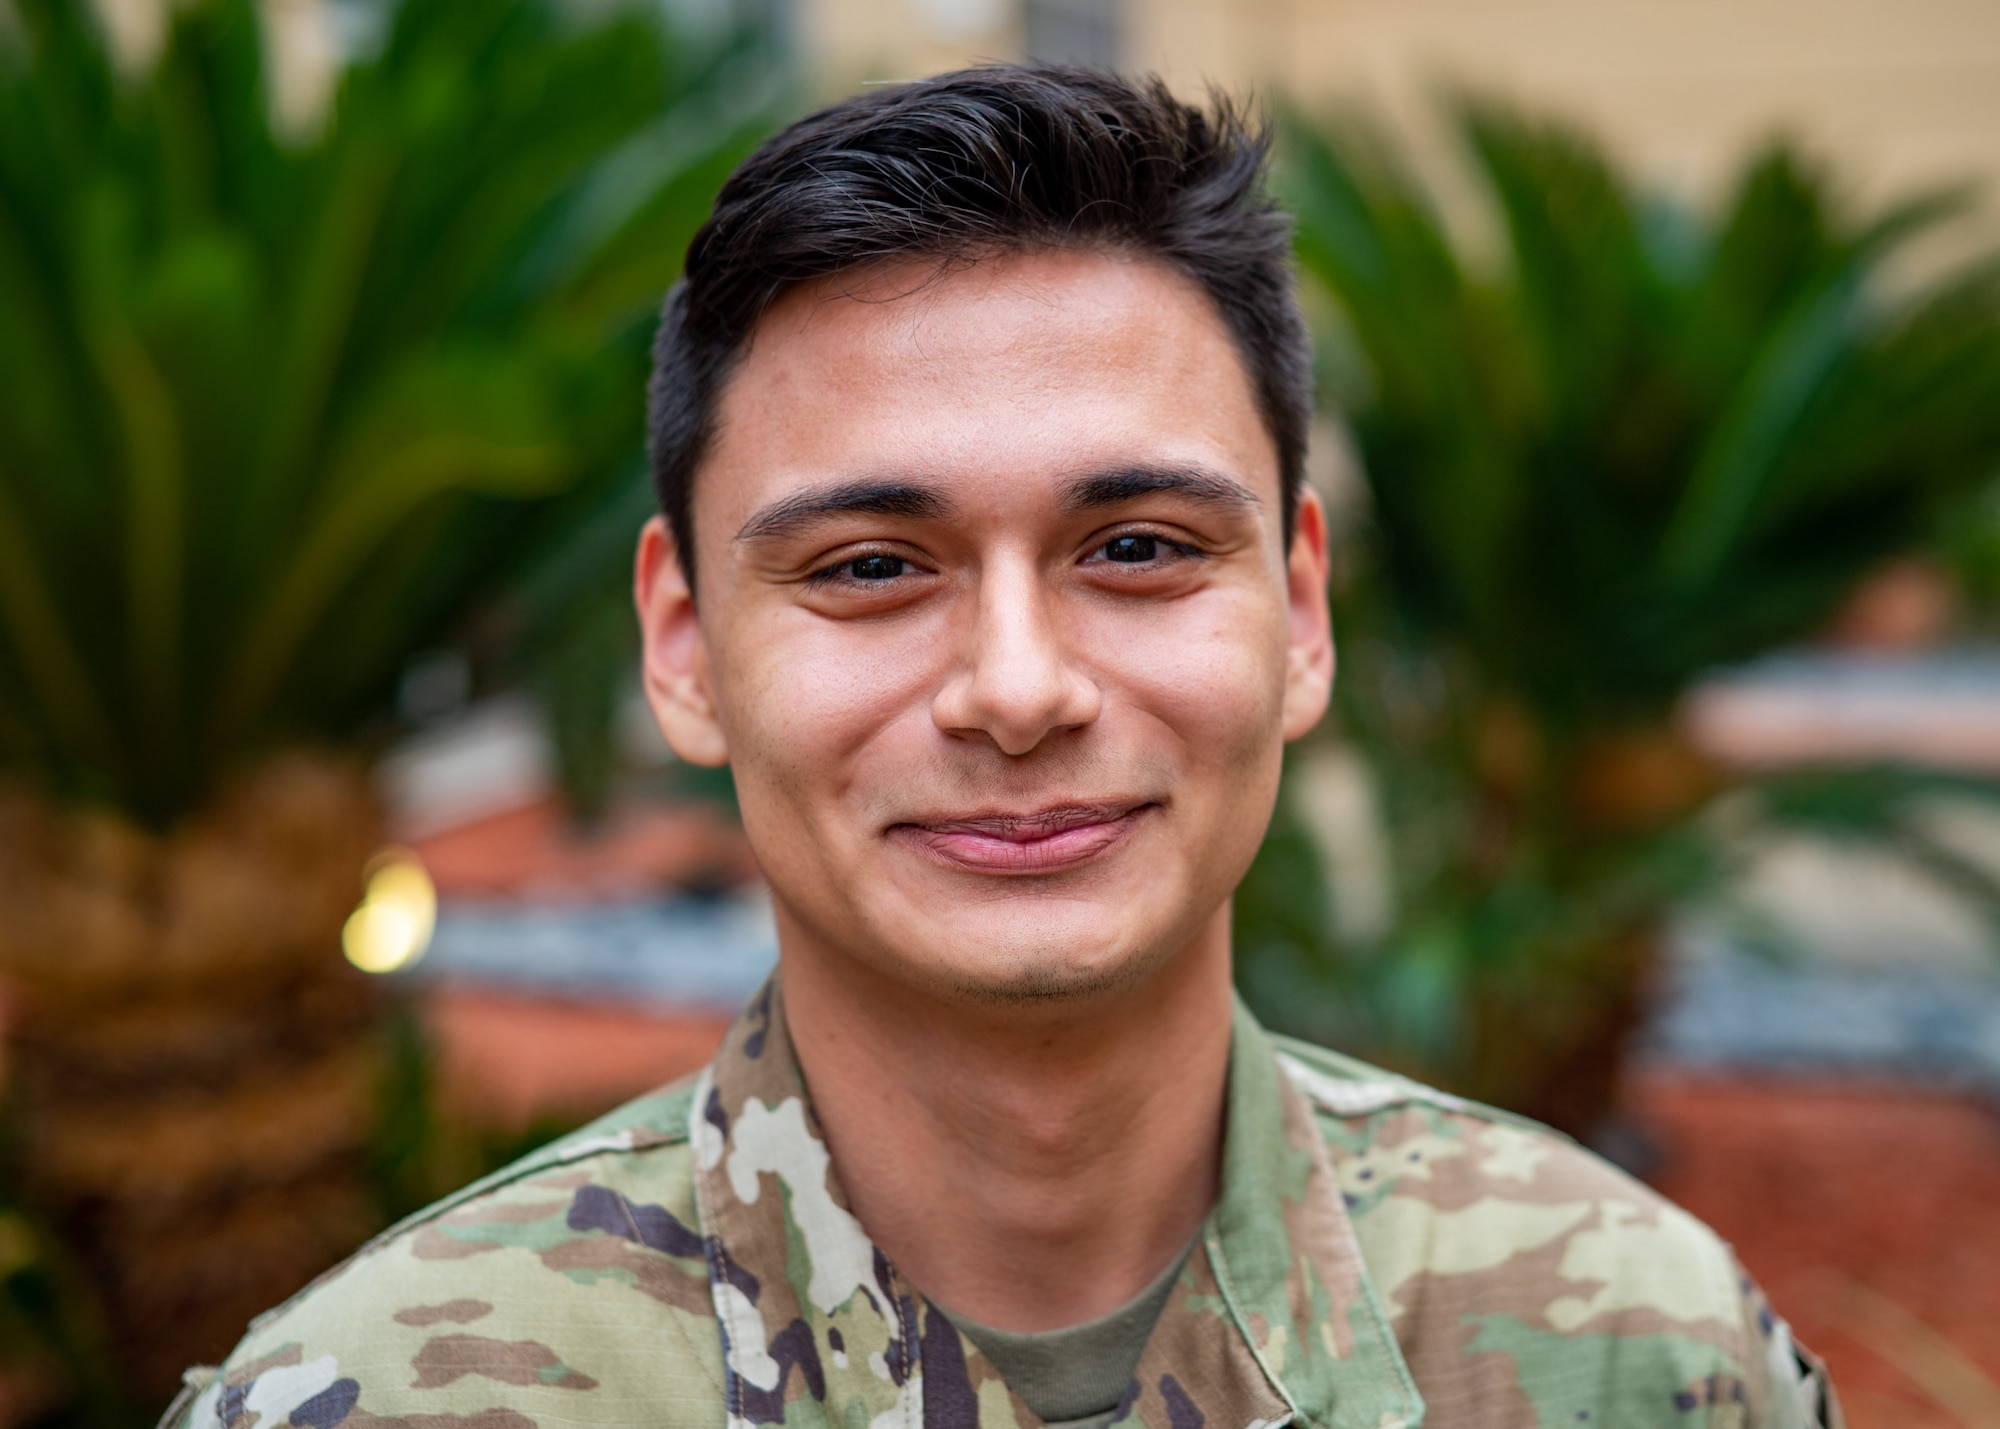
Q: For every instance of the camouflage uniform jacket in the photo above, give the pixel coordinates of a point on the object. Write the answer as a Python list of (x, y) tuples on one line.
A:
[(1381, 1256)]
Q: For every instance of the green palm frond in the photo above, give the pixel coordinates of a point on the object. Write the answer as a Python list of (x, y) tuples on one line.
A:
[(1629, 442), (274, 415), (1643, 443)]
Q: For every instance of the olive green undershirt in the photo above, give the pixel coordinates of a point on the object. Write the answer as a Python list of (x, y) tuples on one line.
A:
[(1074, 1377)]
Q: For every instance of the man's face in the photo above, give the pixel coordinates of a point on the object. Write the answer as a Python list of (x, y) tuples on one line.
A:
[(996, 627)]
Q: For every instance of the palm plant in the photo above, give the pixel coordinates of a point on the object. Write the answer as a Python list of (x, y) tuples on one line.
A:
[(274, 416), (1637, 444)]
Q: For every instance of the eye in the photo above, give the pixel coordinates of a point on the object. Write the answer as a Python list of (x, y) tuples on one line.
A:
[(1131, 549), (1142, 548), (876, 568), (871, 568)]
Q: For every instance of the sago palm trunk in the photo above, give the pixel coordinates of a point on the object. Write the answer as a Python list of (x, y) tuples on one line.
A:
[(1550, 1036), (194, 1067)]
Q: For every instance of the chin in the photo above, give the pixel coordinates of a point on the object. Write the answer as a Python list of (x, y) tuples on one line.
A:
[(1040, 969), (1041, 985), (1013, 947)]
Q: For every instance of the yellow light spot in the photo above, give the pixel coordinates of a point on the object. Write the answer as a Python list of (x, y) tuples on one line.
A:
[(398, 912)]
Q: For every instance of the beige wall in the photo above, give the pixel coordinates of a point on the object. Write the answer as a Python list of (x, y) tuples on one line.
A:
[(852, 42), (1899, 92)]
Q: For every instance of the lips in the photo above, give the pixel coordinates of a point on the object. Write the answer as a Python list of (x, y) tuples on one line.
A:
[(1043, 841)]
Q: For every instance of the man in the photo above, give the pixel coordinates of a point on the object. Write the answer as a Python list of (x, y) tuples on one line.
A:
[(987, 566)]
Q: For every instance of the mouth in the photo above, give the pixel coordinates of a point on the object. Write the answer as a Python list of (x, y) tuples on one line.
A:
[(1049, 840)]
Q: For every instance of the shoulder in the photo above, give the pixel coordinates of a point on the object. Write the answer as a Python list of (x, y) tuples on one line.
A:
[(1440, 1186), (570, 1287), (1514, 1263)]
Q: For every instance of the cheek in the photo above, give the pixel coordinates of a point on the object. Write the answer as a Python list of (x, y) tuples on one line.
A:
[(1211, 670), (802, 699)]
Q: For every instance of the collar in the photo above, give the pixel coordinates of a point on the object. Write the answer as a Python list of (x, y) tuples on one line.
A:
[(1274, 1319)]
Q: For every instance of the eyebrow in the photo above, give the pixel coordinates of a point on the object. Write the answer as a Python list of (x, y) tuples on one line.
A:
[(1128, 483), (805, 509)]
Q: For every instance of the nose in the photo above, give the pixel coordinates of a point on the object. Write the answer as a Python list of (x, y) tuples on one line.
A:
[(1016, 683)]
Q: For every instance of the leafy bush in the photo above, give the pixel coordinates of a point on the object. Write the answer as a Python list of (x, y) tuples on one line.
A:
[(275, 415), (1638, 443)]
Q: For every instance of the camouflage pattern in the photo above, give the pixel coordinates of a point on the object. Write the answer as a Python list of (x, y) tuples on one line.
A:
[(1382, 1256)]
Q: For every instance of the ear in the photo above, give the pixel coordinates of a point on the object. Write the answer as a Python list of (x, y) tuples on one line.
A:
[(1309, 654), (676, 673)]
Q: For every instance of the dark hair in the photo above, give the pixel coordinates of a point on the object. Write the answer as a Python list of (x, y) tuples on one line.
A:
[(996, 158)]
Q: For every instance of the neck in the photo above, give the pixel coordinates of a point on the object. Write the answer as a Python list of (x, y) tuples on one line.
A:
[(1029, 1166)]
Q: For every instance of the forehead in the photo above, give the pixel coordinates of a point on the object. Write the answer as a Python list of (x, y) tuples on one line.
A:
[(999, 374)]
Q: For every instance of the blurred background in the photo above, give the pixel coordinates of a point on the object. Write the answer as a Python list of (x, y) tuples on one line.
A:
[(340, 862)]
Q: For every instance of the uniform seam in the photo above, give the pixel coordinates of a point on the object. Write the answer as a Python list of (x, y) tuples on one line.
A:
[(1211, 1244), (534, 1162), (712, 1253), (557, 1153), (1389, 1361), (906, 1316), (183, 1402), (1402, 1092), (732, 1382), (719, 1386)]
